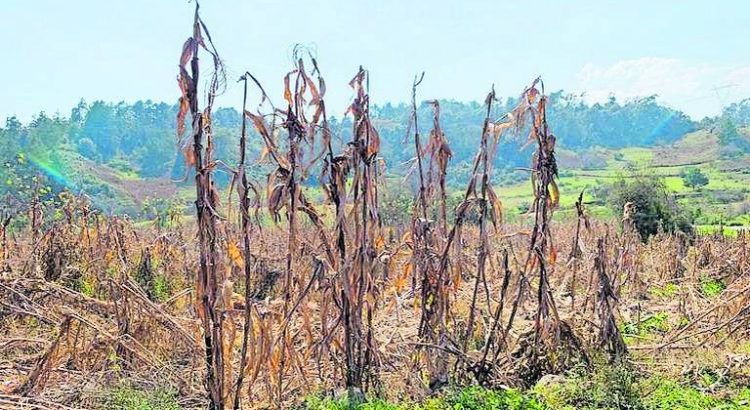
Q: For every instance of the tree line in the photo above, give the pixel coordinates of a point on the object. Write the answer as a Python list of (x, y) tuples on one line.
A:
[(139, 138)]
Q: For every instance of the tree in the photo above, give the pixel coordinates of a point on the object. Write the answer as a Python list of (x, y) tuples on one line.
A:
[(655, 207), (730, 136), (728, 132), (694, 178)]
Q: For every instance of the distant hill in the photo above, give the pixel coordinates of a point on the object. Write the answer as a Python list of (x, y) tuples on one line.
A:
[(121, 154)]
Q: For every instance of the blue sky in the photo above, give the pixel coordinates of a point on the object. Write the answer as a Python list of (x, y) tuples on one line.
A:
[(694, 54)]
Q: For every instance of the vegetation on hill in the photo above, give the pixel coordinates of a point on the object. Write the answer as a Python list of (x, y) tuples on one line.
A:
[(138, 140)]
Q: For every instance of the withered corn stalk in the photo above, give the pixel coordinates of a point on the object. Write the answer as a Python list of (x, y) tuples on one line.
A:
[(209, 298), (609, 337), (432, 326), (490, 208), (542, 254), (244, 202), (285, 192), (484, 215), (358, 299), (576, 251), (5, 219), (440, 153)]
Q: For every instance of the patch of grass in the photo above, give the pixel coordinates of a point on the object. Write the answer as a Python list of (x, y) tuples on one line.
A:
[(675, 184), (667, 394), (327, 403), (667, 291), (129, 398), (470, 398), (621, 388), (711, 288), (658, 323), (477, 398), (606, 387), (162, 288), (637, 154)]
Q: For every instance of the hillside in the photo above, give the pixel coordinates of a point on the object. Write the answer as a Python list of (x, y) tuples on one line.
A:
[(724, 199), (121, 155)]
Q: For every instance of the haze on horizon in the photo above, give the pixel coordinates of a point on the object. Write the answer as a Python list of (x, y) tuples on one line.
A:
[(60, 52)]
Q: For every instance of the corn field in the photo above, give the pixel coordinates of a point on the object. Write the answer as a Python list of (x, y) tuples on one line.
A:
[(271, 295)]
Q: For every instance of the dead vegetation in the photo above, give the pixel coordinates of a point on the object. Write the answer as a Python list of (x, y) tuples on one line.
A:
[(235, 313)]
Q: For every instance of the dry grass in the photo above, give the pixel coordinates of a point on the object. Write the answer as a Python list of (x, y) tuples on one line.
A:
[(94, 324)]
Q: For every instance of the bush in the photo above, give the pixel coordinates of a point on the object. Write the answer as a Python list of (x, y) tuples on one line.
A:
[(711, 287), (655, 207), (693, 178)]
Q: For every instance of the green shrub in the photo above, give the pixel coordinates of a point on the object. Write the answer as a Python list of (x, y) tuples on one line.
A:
[(693, 178), (162, 288), (655, 207)]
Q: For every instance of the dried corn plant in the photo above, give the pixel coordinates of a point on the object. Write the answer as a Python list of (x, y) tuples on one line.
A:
[(553, 344), (609, 337), (424, 244), (435, 297), (5, 219), (211, 295), (284, 192), (575, 258), (243, 191), (358, 298)]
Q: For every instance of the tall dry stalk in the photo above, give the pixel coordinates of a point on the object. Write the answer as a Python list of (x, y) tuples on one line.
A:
[(609, 337), (490, 207), (5, 219), (542, 254), (487, 201), (244, 202), (432, 326), (576, 251), (440, 154), (358, 295), (285, 192), (209, 295)]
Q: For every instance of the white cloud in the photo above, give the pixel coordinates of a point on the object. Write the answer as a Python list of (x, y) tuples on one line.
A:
[(696, 89)]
